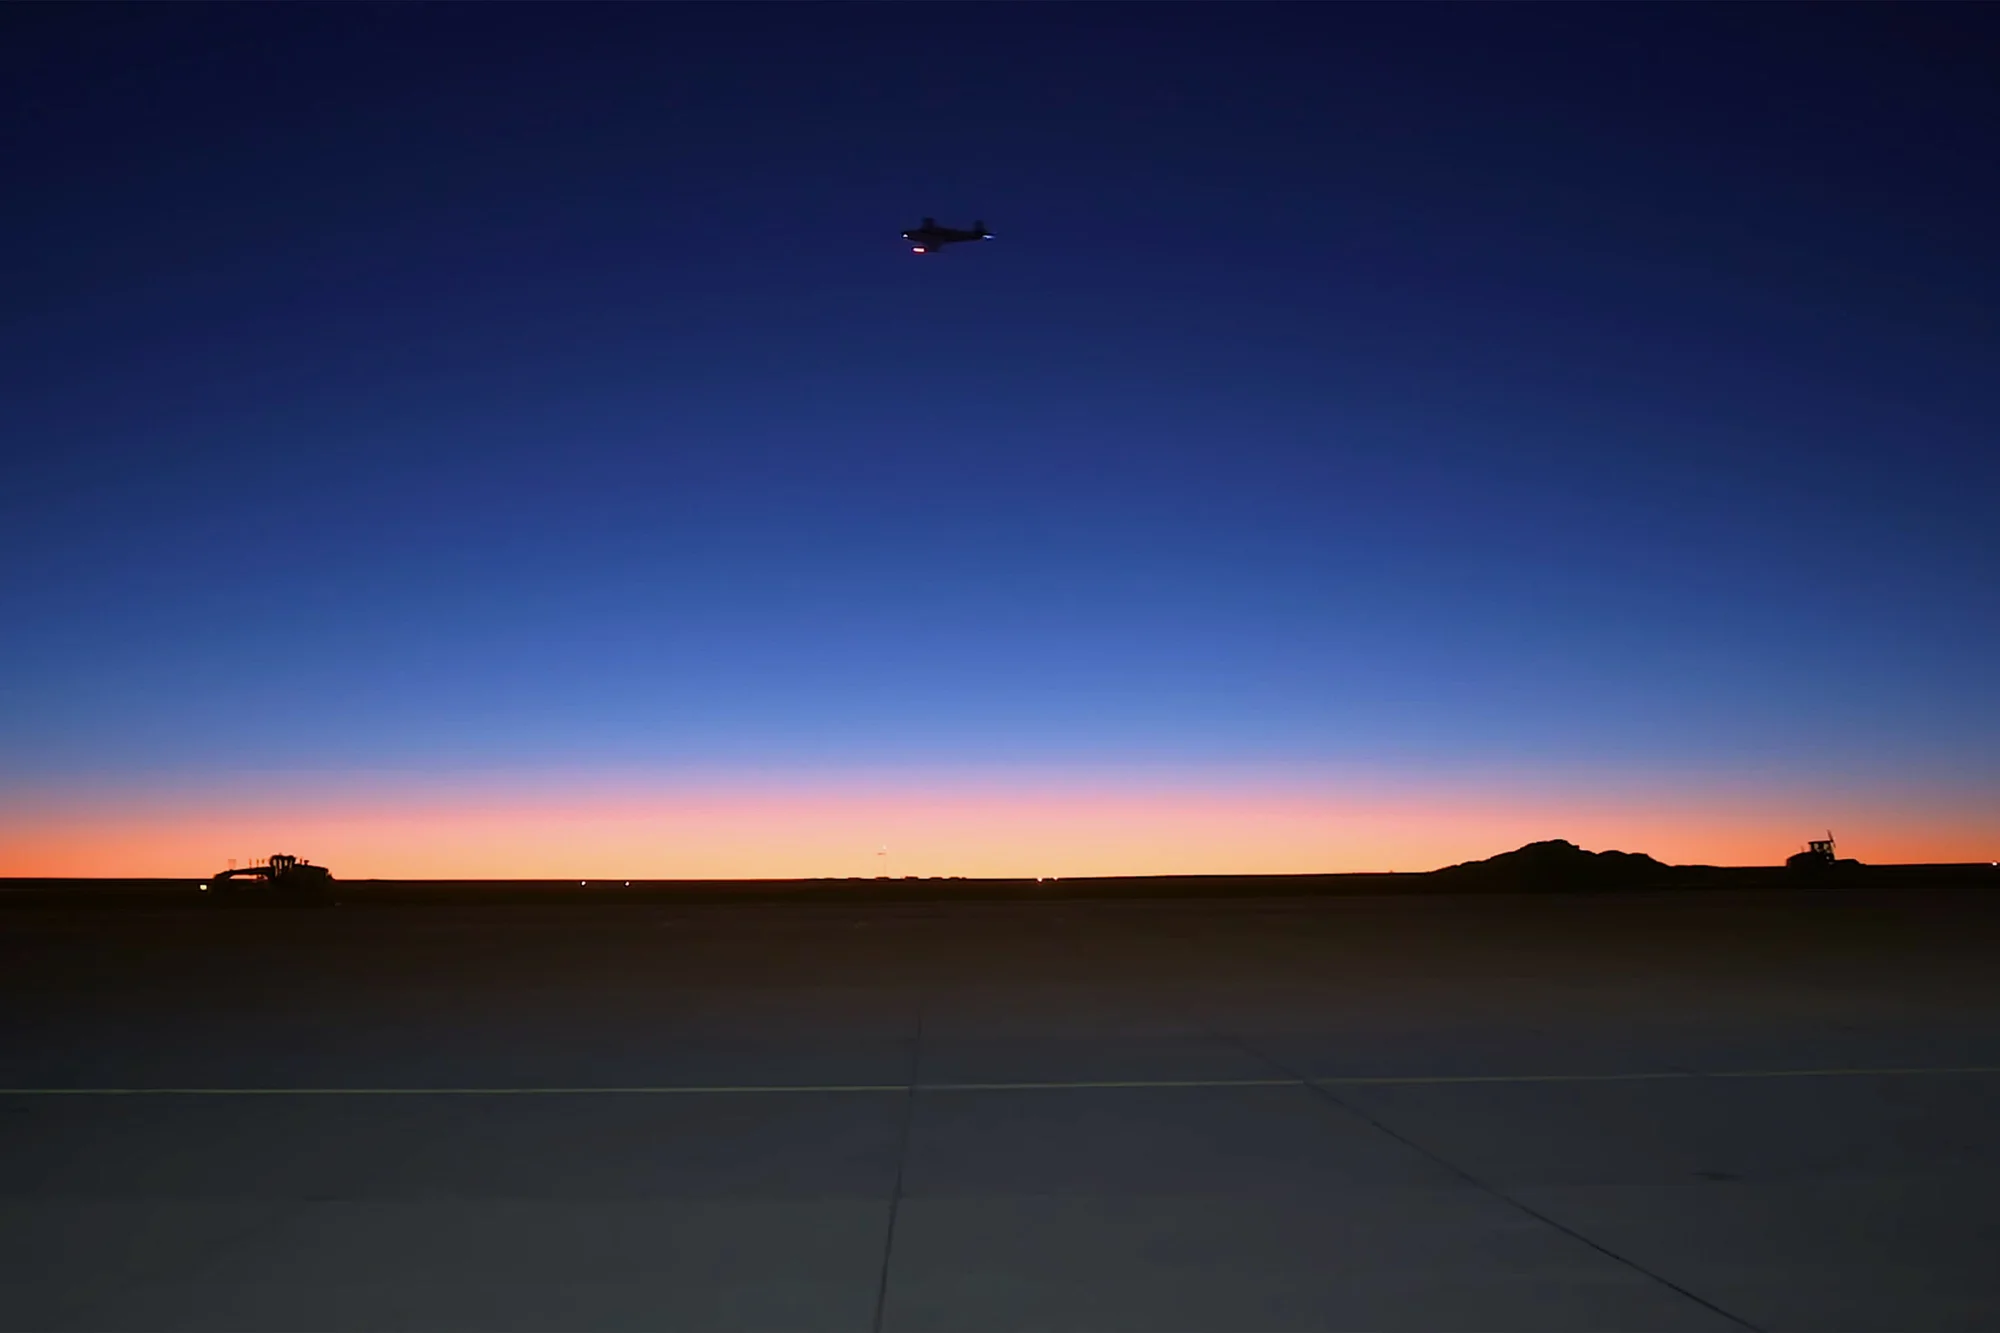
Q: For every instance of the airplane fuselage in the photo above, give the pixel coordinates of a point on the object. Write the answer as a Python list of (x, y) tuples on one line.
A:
[(930, 237)]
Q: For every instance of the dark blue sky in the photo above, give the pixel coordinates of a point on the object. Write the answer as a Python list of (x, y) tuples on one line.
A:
[(460, 386)]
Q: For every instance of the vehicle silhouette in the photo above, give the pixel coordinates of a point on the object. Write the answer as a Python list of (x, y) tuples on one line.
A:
[(282, 879)]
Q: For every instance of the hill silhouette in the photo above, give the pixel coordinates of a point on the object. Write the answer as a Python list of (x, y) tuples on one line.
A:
[(1558, 862)]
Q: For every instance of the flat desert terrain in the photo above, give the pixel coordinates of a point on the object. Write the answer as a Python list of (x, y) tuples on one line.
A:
[(1716, 1110)]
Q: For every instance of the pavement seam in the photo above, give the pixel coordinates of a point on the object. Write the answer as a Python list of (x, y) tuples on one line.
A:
[(1065, 1085), (902, 1162), (1319, 1089)]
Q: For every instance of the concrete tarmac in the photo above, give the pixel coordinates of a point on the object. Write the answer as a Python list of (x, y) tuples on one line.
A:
[(1706, 1111)]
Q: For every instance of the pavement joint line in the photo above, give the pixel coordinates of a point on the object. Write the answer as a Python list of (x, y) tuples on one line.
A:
[(1324, 1091), (1420, 1080), (1078, 1085), (1107, 1083), (1850, 1073), (902, 1169)]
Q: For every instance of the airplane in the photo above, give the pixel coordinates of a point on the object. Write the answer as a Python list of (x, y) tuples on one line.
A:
[(929, 237)]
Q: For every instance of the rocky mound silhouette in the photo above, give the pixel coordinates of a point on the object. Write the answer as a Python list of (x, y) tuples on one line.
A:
[(1558, 863)]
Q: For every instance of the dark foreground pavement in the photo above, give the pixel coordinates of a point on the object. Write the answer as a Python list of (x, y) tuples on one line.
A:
[(1718, 1111)]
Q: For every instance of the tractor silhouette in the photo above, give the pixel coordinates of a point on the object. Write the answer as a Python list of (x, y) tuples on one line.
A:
[(281, 879), (1818, 859)]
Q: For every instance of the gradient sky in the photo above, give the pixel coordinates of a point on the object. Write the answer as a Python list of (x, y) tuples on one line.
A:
[(514, 440)]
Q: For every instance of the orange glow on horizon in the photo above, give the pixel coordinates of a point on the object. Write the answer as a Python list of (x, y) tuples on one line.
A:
[(830, 829)]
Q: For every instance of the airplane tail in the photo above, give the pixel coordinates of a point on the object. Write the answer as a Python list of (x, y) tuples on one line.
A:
[(979, 227)]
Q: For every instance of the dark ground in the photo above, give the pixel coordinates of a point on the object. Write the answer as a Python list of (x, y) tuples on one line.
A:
[(1697, 1111)]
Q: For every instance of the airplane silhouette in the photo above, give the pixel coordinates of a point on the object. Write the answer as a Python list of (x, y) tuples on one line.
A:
[(930, 237)]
